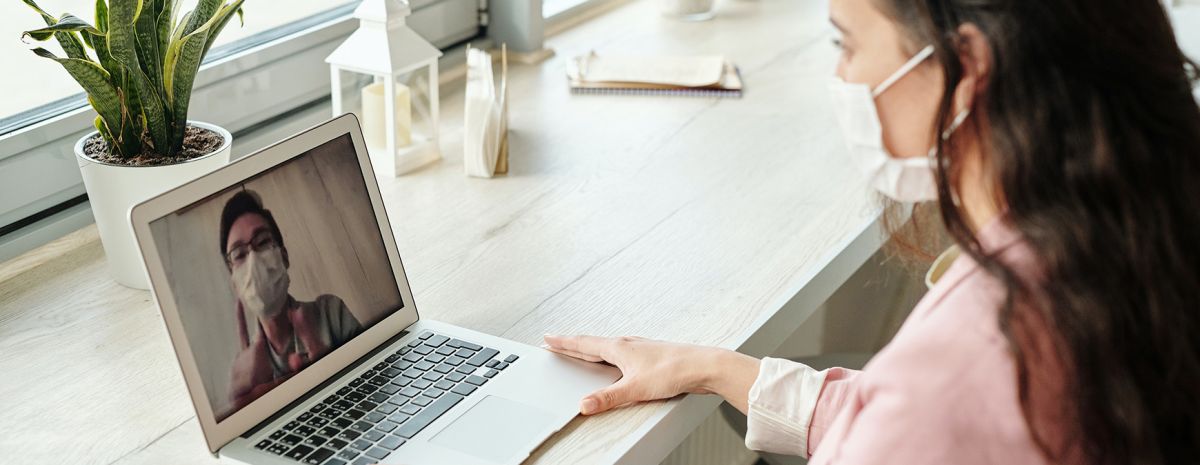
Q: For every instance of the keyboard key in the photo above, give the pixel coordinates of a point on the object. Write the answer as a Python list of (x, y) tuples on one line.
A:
[(378, 453), (464, 389), (278, 434), (380, 366), (361, 426), (399, 417), (455, 360), (425, 335), (390, 389), (422, 401), (385, 426), (456, 377), (341, 405), (367, 389), (469, 345), (372, 435), (361, 444), (329, 432), (318, 456), (435, 358), (402, 365), (391, 442), (317, 422), (291, 425), (443, 368), (333, 397), (423, 350), (335, 462), (278, 449), (490, 373), (421, 384), (482, 357), (464, 353), (336, 444), (414, 343), (298, 452), (364, 460), (373, 417), (510, 358), (314, 441), (412, 357), (455, 343), (304, 430), (465, 369), (386, 409), (437, 340), (354, 414), (303, 417), (476, 380), (444, 351), (410, 391), (341, 423), (431, 376), (355, 396), (318, 408), (347, 454), (263, 444), (501, 366), (444, 385), (423, 365), (379, 380), (290, 440), (379, 397), (348, 435), (392, 358), (367, 405), (410, 409), (390, 372), (401, 381), (428, 415), (491, 363), (413, 373), (434, 392), (356, 382)]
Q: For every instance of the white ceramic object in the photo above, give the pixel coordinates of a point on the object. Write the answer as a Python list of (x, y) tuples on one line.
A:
[(114, 189), (689, 10)]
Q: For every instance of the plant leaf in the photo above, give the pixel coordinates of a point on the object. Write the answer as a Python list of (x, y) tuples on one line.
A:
[(95, 81), (183, 61), (225, 17), (70, 42), (68, 23), (122, 43), (203, 12)]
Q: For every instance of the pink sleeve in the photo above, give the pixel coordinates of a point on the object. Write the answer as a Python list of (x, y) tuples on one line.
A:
[(836, 392)]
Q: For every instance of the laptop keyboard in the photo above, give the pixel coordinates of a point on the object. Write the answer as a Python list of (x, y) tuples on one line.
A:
[(375, 413)]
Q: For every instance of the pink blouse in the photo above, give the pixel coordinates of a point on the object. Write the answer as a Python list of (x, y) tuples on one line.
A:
[(942, 391)]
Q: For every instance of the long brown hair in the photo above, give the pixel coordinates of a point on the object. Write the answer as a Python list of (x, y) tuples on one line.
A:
[(1093, 139)]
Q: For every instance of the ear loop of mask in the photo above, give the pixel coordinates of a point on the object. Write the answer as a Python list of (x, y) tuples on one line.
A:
[(917, 59), (945, 135)]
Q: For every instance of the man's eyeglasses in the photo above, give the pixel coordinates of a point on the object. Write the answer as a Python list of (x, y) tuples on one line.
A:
[(260, 242)]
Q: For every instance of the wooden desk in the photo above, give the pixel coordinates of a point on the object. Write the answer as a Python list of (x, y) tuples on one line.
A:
[(709, 221)]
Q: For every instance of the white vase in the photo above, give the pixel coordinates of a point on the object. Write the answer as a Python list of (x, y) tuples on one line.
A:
[(114, 189)]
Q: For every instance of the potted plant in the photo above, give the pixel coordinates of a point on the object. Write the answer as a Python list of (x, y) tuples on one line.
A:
[(137, 65)]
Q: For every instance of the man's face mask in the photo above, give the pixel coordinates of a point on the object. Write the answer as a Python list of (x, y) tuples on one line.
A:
[(262, 281), (907, 179)]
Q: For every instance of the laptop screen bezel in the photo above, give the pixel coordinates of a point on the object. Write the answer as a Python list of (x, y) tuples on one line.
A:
[(217, 434)]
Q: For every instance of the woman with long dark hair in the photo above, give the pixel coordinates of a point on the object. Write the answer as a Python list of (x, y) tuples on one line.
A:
[(1060, 141)]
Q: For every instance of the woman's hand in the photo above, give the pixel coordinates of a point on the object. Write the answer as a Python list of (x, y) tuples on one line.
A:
[(658, 370)]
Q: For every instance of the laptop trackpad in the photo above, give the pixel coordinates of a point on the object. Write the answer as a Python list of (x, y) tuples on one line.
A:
[(496, 429)]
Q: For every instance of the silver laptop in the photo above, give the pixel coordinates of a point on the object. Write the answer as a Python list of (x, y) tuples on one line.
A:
[(291, 315)]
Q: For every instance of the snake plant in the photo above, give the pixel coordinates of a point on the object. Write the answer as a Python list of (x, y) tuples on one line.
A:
[(137, 65)]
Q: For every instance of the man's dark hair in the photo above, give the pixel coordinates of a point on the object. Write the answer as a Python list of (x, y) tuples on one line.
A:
[(243, 203)]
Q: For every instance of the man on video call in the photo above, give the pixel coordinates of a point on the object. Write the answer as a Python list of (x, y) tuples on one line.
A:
[(284, 335)]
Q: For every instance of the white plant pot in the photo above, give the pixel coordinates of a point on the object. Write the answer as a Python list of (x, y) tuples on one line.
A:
[(114, 189)]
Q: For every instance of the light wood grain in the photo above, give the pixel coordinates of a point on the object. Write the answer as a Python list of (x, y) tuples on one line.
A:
[(687, 219)]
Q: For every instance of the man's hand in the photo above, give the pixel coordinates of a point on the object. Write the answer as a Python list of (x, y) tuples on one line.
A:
[(251, 368)]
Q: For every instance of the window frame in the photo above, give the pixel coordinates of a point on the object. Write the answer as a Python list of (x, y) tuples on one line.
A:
[(44, 196)]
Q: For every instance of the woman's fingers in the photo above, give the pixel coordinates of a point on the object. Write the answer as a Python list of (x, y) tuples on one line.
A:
[(571, 353), (590, 345)]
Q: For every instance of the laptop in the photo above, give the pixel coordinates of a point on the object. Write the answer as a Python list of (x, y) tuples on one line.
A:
[(291, 316)]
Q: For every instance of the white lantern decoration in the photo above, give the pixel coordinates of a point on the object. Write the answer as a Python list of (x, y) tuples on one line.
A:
[(399, 110)]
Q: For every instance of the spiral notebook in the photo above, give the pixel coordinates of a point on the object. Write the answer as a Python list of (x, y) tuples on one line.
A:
[(702, 76)]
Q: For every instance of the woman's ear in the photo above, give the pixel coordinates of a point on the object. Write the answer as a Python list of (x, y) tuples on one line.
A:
[(975, 54)]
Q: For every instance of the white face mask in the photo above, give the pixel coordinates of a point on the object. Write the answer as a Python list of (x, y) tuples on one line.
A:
[(262, 282), (905, 179)]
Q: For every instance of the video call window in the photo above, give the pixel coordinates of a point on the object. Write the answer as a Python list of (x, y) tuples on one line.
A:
[(274, 273)]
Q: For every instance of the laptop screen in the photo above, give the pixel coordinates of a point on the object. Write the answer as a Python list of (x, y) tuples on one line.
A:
[(273, 273)]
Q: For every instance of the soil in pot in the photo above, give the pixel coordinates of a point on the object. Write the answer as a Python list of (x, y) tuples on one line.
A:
[(197, 142)]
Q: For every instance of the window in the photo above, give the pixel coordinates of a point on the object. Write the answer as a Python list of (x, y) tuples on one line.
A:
[(270, 67)]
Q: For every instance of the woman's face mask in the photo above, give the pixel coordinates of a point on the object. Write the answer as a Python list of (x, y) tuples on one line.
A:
[(905, 179), (261, 282)]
